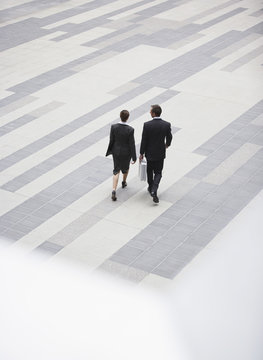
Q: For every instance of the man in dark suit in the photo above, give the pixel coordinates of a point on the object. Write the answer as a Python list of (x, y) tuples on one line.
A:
[(122, 148), (156, 138)]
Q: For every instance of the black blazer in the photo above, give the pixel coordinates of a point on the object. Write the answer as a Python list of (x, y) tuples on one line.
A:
[(156, 136), (122, 142)]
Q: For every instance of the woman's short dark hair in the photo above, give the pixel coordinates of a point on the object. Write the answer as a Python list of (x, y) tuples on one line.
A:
[(156, 109), (124, 115)]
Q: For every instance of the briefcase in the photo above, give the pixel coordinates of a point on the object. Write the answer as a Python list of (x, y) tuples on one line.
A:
[(142, 169)]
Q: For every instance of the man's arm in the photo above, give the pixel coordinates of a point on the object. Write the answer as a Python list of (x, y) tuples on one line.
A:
[(132, 145), (169, 136), (143, 142), (109, 150)]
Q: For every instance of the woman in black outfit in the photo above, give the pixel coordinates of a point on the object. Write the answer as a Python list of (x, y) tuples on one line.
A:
[(122, 148)]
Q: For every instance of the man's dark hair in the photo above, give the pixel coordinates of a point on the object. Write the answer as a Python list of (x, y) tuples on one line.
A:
[(157, 110), (124, 115)]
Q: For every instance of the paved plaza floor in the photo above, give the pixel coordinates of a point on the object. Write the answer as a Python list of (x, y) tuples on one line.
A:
[(67, 69)]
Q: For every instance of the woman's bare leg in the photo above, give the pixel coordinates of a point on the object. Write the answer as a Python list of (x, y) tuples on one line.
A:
[(125, 176), (115, 181)]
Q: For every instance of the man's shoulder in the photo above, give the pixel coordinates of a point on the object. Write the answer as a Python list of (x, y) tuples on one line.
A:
[(128, 128), (166, 122), (123, 127), (159, 121), (148, 123)]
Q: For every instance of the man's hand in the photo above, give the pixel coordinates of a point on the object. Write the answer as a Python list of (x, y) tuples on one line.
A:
[(133, 162), (140, 157)]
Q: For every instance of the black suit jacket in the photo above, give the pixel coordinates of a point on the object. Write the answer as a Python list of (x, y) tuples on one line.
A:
[(122, 142), (156, 136)]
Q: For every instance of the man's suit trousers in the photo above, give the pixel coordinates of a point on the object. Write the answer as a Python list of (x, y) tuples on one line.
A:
[(154, 174)]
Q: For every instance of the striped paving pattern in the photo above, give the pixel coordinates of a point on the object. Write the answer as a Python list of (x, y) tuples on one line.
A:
[(68, 67)]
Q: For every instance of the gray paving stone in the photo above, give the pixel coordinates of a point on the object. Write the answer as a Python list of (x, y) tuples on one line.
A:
[(127, 43), (156, 9), (246, 134), (219, 43), (179, 189), (42, 207), (2, 229), (49, 248), (126, 255), (140, 242), (258, 120), (123, 271), (26, 225), (244, 59), (229, 131), (94, 215), (112, 37), (148, 261), (43, 110), (191, 221), (166, 37), (120, 90), (13, 102), (224, 17), (258, 139), (163, 222), (258, 28), (176, 235), (199, 192), (48, 210), (255, 183), (175, 212), (175, 262), (185, 41), (204, 209), (239, 44), (152, 233), (13, 125), (176, 70), (19, 33), (62, 15), (12, 219), (26, 9), (12, 235), (75, 29), (41, 81), (212, 10), (93, 61), (257, 13)]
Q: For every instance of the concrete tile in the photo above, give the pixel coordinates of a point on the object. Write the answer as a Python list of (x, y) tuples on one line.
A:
[(14, 102), (45, 109), (49, 247), (232, 164), (177, 260), (126, 255), (12, 235), (224, 17), (123, 271), (15, 124), (244, 59), (258, 120)]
